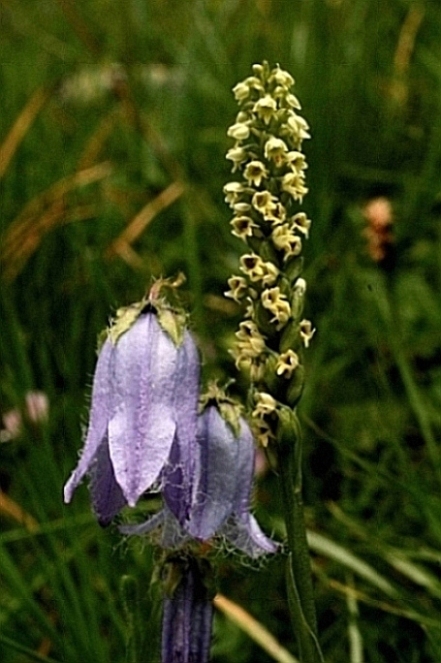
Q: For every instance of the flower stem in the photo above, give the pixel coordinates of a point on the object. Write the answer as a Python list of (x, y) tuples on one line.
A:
[(299, 580)]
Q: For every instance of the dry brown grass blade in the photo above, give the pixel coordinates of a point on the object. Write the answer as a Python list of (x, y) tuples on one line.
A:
[(42, 214), (10, 508), (408, 34), (121, 246), (405, 47), (79, 26), (92, 150), (32, 236), (385, 606), (22, 125), (254, 629)]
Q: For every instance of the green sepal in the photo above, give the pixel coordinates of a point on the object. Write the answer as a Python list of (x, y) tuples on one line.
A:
[(295, 387), (125, 318), (263, 318), (102, 338), (268, 253), (173, 322), (288, 428), (270, 378), (297, 304), (293, 269), (229, 409), (291, 338), (255, 242)]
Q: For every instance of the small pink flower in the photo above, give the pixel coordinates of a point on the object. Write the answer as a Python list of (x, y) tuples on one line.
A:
[(36, 411)]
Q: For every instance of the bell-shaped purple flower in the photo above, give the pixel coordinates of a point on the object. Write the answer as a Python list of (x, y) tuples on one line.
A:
[(144, 404), (223, 484), (221, 489)]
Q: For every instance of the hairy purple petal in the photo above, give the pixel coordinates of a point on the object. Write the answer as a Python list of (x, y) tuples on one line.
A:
[(142, 429), (180, 471), (174, 482), (244, 470), (242, 530), (224, 482), (106, 494), (102, 397), (217, 474), (187, 620), (157, 520), (172, 534), (245, 534)]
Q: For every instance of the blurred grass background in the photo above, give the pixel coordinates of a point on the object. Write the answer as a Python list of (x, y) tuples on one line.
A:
[(112, 144)]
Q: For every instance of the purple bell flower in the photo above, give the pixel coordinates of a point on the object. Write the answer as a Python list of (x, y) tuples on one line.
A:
[(221, 489), (223, 484), (143, 418)]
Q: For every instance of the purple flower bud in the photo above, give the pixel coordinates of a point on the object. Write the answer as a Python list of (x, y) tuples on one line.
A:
[(144, 400), (187, 616)]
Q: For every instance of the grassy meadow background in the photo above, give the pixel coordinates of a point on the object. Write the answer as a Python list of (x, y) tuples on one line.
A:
[(113, 119)]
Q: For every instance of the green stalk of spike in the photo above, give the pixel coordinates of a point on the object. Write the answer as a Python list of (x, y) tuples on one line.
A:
[(299, 579)]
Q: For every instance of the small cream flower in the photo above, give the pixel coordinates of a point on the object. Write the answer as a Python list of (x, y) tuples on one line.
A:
[(300, 287), (276, 214), (263, 202), (241, 208), (255, 366), (301, 223), (269, 206), (296, 160), (275, 150), (243, 89), (237, 155), (258, 270), (271, 273), (238, 288), (281, 77), (265, 404), (242, 361), (262, 432), (306, 332), (249, 309), (273, 300), (250, 341), (296, 128), (239, 131), (294, 184), (265, 108), (287, 364), (233, 192), (285, 240), (292, 101), (243, 227), (255, 172), (243, 117)]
